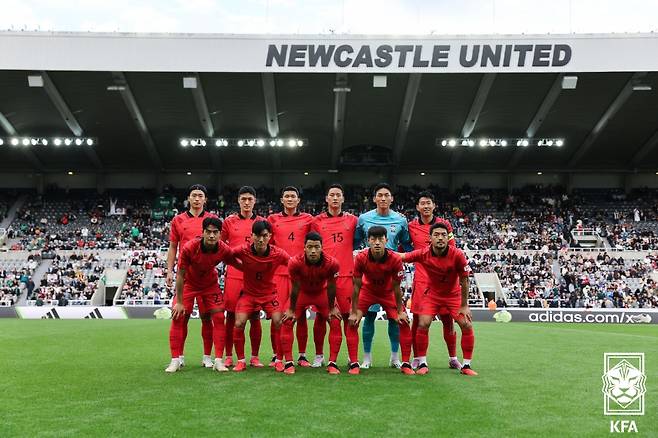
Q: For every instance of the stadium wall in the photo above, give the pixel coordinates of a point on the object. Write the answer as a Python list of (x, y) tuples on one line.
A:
[(136, 180)]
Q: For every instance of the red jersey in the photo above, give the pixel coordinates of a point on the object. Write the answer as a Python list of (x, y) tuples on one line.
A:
[(185, 227), (288, 232), (236, 231), (444, 271), (313, 278), (378, 276), (337, 238), (258, 270), (420, 238), (200, 267)]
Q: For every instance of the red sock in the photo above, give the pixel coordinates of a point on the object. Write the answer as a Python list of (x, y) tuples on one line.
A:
[(176, 336), (468, 342), (230, 322), (238, 341), (319, 332), (414, 327), (183, 337), (255, 333), (207, 336), (273, 338), (405, 341), (218, 332), (286, 340), (335, 339), (422, 341), (302, 334), (278, 351), (449, 335), (352, 335)]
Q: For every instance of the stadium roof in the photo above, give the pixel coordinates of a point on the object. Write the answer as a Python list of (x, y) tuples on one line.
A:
[(609, 122)]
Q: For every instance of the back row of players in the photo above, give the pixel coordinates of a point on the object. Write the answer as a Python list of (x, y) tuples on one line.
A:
[(292, 261)]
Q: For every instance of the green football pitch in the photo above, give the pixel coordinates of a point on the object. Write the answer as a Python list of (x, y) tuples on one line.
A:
[(102, 377)]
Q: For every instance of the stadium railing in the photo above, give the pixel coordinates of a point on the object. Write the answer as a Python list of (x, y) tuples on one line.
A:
[(55, 303), (142, 302)]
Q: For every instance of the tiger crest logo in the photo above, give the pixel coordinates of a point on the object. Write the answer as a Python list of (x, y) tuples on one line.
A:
[(624, 384)]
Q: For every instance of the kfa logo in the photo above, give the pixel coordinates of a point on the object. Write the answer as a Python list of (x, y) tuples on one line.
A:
[(624, 387)]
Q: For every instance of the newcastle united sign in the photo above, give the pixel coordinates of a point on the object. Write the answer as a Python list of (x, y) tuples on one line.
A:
[(72, 51)]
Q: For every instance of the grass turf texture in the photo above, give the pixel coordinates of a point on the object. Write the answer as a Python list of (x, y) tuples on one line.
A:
[(102, 377)]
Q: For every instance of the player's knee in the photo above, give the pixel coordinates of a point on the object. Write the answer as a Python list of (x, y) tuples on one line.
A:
[(464, 324), (424, 323), (239, 324)]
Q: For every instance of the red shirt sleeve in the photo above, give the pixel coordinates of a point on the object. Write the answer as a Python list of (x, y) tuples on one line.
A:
[(174, 234), (315, 226), (398, 268), (413, 256), (271, 220), (224, 235), (185, 257), (461, 263), (333, 270), (227, 252), (294, 271), (282, 257), (358, 265)]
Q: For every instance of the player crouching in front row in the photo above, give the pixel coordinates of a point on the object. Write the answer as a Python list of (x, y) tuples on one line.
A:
[(447, 272), (197, 278), (377, 275), (312, 273)]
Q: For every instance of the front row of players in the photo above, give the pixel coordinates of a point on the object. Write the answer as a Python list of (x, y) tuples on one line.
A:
[(376, 280)]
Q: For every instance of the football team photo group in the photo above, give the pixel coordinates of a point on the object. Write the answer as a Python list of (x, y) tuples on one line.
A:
[(346, 269)]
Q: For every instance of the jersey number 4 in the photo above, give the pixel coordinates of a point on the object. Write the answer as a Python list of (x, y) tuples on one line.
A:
[(292, 236)]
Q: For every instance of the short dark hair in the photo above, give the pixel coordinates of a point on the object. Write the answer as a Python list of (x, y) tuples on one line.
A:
[(439, 224), (336, 186), (424, 194), (312, 235), (289, 189), (380, 186), (259, 226), (212, 220), (198, 187), (247, 189), (376, 231)]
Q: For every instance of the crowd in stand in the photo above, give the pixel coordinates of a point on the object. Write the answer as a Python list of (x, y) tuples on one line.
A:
[(69, 280), (527, 275), (143, 266), (606, 281)]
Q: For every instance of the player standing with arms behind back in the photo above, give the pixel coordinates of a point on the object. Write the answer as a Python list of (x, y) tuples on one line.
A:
[(397, 235), (419, 229), (236, 231), (288, 230), (185, 227), (337, 229)]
